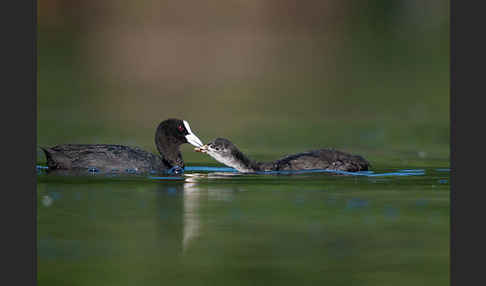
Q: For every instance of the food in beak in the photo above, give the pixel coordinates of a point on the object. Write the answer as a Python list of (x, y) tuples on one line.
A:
[(201, 149)]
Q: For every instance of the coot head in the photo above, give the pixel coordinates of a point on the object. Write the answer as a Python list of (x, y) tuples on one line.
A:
[(175, 132), (170, 134)]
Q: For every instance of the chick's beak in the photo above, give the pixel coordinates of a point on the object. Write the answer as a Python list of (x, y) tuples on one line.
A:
[(202, 149)]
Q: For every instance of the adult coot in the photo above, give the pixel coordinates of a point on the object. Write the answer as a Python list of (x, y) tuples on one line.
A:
[(224, 151), (104, 158)]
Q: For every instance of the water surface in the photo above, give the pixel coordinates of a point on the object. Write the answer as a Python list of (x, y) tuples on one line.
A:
[(217, 227)]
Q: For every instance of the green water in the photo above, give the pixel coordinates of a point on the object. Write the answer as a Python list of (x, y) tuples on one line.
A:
[(216, 228), (375, 85)]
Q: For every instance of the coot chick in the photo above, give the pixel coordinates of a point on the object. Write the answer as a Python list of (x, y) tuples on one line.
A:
[(104, 158), (224, 151)]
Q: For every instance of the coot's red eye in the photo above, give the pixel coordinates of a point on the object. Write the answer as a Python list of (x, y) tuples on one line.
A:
[(180, 128)]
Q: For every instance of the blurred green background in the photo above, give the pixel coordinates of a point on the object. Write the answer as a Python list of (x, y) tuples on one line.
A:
[(275, 77)]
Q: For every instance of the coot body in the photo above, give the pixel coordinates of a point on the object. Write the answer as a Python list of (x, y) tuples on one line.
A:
[(106, 158), (224, 151)]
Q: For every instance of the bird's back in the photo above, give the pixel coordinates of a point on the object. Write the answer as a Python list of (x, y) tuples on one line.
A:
[(102, 158), (323, 159)]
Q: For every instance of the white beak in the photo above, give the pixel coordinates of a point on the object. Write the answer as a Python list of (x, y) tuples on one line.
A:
[(191, 138)]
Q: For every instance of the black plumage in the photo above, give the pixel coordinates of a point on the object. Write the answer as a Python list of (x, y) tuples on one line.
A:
[(227, 153), (106, 158)]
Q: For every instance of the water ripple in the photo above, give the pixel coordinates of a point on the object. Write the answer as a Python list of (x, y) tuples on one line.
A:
[(404, 172)]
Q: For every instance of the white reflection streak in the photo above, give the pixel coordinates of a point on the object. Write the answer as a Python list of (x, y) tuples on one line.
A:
[(47, 201), (191, 216)]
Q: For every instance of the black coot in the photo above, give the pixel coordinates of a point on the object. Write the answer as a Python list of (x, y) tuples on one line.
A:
[(224, 151), (104, 158)]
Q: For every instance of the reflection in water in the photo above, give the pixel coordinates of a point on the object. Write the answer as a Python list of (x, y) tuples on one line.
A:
[(47, 201), (173, 206), (193, 193), (191, 217), (171, 219), (116, 218), (225, 172), (221, 226)]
